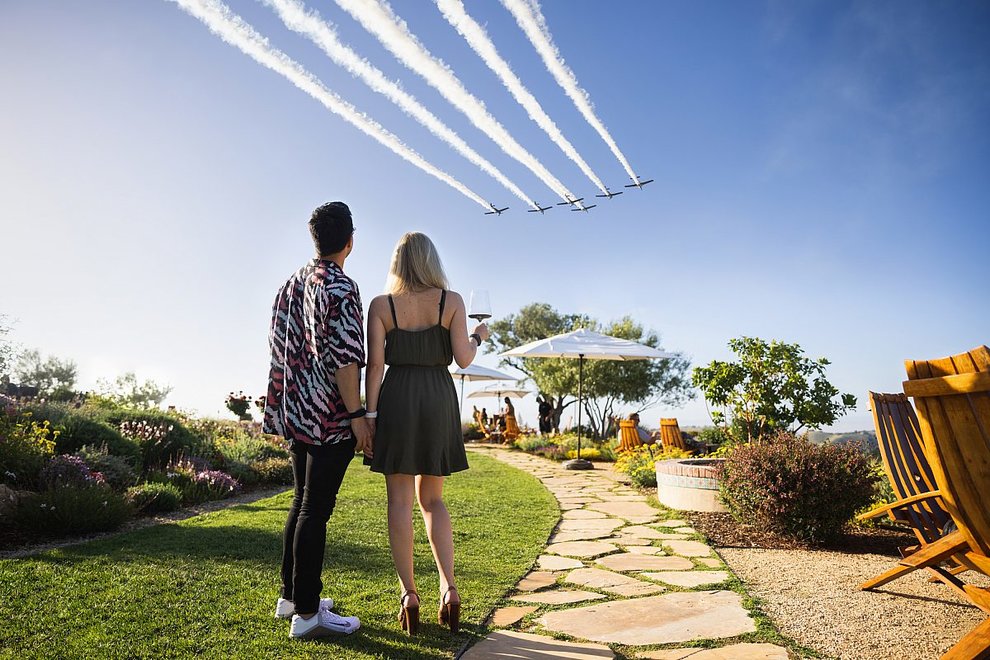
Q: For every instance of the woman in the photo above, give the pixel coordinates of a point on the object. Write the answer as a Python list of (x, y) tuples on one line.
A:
[(416, 328), (511, 427)]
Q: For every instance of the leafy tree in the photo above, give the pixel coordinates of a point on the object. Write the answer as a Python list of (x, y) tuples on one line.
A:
[(640, 384), (607, 383), (772, 387), (127, 391), (49, 375), (8, 351)]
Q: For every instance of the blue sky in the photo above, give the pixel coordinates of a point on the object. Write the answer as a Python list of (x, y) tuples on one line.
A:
[(821, 178)]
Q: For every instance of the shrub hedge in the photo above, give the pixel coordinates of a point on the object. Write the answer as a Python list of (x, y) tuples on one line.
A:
[(72, 510), (155, 497), (791, 486)]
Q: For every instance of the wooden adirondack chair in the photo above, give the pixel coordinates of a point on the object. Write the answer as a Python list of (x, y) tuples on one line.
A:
[(952, 396), (918, 504), (628, 438), (670, 434)]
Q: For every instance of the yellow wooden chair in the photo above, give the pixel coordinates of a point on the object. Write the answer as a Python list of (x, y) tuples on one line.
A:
[(952, 398), (670, 434), (628, 438)]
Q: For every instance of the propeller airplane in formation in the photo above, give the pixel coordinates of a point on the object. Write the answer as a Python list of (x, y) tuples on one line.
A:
[(637, 183), (495, 210), (539, 209), (568, 200), (609, 194), (585, 208)]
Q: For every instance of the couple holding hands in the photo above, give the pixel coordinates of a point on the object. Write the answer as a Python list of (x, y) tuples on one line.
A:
[(408, 429)]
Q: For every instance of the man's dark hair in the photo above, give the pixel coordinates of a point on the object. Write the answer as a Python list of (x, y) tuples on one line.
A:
[(331, 227)]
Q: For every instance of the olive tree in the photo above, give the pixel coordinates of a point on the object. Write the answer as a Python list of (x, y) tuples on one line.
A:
[(772, 386)]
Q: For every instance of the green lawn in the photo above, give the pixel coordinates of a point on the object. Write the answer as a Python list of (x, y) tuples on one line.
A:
[(207, 585)]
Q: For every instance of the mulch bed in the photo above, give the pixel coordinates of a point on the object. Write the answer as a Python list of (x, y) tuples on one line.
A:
[(723, 531)]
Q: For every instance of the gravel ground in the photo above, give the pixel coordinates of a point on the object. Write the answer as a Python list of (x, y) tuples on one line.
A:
[(812, 596)]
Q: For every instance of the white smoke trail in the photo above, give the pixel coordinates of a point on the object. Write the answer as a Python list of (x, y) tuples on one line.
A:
[(298, 18), (478, 39), (531, 20), (377, 17), (232, 29)]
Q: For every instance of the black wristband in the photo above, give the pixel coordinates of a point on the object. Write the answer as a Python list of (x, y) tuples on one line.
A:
[(477, 338), (360, 412)]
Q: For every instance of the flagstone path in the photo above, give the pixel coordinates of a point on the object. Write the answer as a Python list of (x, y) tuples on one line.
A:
[(613, 573)]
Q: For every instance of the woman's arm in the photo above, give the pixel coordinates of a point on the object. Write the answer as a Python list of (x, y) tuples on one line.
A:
[(376, 353), (464, 347)]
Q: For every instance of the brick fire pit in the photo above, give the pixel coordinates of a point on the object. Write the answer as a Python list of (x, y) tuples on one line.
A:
[(689, 484)]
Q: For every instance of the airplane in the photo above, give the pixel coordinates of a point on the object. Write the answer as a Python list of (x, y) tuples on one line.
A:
[(540, 209), (570, 201), (637, 183), (586, 208), (609, 193), (495, 211)]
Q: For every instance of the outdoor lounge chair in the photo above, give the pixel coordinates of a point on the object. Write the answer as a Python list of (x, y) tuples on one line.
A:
[(919, 504), (952, 397), (670, 434), (628, 438)]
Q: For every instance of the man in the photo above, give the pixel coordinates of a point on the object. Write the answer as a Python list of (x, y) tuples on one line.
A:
[(644, 437), (545, 412), (314, 402)]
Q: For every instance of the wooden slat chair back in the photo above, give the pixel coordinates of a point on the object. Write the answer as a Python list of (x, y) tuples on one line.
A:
[(952, 396), (628, 437), (670, 434), (906, 465)]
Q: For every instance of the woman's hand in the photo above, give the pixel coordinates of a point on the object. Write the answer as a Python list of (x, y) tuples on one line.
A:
[(369, 447), (482, 331)]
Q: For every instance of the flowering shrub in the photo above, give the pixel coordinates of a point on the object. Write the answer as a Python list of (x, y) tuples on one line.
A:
[(640, 463), (77, 431), (72, 510), (197, 482), (590, 454), (239, 405), (274, 470), (794, 487), (155, 497), (25, 445), (531, 443), (117, 471), (68, 470)]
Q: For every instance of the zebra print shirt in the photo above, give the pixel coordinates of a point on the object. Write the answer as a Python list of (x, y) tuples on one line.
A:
[(317, 328)]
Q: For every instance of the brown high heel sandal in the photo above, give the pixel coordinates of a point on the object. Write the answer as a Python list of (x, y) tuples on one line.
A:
[(450, 613), (409, 616)]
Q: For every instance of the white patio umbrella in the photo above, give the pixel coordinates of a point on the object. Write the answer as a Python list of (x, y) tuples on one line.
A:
[(474, 372), (585, 344)]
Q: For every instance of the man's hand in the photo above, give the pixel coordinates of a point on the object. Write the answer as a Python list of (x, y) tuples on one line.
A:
[(363, 434)]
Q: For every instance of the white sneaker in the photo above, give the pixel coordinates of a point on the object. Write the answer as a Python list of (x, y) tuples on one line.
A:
[(284, 609), (324, 624)]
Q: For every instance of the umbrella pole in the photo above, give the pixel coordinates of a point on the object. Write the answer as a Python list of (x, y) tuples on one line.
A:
[(580, 396)]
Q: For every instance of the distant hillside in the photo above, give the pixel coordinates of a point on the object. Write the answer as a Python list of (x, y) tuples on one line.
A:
[(868, 439)]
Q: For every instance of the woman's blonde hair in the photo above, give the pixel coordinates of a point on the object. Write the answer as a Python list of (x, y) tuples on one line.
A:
[(415, 265)]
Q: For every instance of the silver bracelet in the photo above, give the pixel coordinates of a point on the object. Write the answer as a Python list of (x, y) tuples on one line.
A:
[(371, 414)]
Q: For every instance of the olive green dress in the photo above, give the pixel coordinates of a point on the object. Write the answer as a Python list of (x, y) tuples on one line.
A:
[(419, 428)]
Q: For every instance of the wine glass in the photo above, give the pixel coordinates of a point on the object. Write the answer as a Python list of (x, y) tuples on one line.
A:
[(479, 308)]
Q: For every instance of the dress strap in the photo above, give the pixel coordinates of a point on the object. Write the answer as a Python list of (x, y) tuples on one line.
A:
[(391, 305), (443, 299)]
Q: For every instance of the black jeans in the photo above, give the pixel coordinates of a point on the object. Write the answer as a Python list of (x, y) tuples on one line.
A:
[(318, 472)]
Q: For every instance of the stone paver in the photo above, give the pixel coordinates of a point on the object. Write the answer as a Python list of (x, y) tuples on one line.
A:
[(671, 618), (613, 529), (506, 616), (689, 579), (613, 583), (634, 512), (642, 532), (581, 548), (628, 561), (732, 652), (506, 644), (574, 514), (536, 580), (554, 563), (689, 548), (558, 597)]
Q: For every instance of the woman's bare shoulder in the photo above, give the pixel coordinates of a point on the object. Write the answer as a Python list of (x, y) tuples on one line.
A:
[(454, 298)]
